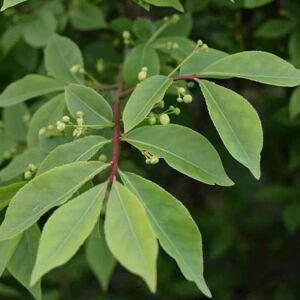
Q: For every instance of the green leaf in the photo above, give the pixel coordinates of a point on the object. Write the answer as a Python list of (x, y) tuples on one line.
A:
[(95, 108), (21, 162), (183, 149), (6, 145), (291, 217), (99, 257), (8, 291), (143, 28), (178, 47), (129, 234), (38, 29), (30, 86), (82, 149), (183, 27), (294, 46), (148, 93), (198, 62), (8, 192), (11, 37), (87, 17), (255, 3), (45, 192), (21, 263), (9, 3), (49, 113), (139, 57), (275, 28), (61, 54), (7, 249), (295, 103), (14, 119), (173, 225), (166, 3), (237, 123), (254, 65), (66, 230)]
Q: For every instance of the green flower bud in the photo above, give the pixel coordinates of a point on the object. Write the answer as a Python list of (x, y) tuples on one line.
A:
[(164, 119), (126, 35), (142, 75), (66, 119), (42, 131), (161, 104), (60, 126), (175, 18), (27, 175), (154, 160), (191, 84), (7, 155), (187, 99), (79, 114), (181, 90), (50, 127), (152, 120), (179, 100), (177, 111), (103, 158), (204, 48), (75, 69), (32, 168), (26, 118)]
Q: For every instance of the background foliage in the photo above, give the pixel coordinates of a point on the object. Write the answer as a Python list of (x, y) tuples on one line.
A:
[(250, 231)]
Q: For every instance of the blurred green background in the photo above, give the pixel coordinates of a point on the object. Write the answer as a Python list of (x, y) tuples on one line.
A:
[(250, 232)]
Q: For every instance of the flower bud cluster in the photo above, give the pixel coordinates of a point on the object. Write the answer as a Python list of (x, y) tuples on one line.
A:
[(150, 158), (8, 154), (127, 37), (30, 171), (164, 117), (183, 96), (80, 129), (202, 47), (143, 74), (77, 69)]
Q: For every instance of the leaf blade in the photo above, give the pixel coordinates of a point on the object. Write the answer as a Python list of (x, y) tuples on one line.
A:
[(237, 124), (145, 96), (138, 251), (190, 153), (30, 86), (44, 192), (173, 225), (79, 150), (257, 66), (66, 230)]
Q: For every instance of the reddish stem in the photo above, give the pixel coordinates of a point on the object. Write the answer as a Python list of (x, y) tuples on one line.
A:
[(116, 140), (185, 77)]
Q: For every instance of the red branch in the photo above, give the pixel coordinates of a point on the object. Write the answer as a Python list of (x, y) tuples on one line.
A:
[(115, 140)]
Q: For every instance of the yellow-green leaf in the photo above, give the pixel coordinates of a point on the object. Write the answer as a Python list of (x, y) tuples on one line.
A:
[(237, 123), (129, 234), (66, 230)]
